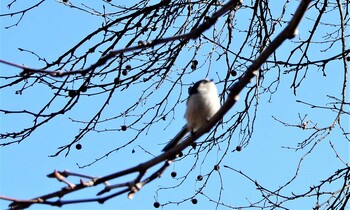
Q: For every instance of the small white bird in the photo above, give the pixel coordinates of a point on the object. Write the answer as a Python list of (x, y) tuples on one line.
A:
[(203, 102)]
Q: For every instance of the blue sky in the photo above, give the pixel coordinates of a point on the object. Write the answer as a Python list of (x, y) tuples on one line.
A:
[(53, 28)]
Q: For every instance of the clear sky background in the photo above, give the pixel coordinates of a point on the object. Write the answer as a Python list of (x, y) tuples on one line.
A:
[(53, 28)]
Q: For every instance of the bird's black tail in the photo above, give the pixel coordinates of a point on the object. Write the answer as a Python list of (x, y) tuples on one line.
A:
[(177, 139)]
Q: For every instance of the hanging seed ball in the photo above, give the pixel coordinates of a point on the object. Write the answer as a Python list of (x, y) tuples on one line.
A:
[(216, 167), (238, 148), (199, 177), (194, 200), (124, 127), (173, 174), (233, 73), (140, 43), (78, 146), (128, 67), (124, 72), (83, 89), (72, 93), (348, 58), (156, 204)]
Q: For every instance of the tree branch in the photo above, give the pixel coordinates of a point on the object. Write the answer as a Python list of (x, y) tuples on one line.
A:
[(136, 184)]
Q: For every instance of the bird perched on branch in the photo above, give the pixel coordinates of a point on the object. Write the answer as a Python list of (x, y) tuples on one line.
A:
[(202, 103)]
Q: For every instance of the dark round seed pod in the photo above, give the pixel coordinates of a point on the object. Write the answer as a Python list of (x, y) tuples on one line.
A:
[(193, 67), (124, 72), (124, 127), (173, 174), (72, 93), (140, 43), (233, 73), (83, 88), (156, 204), (216, 167)]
